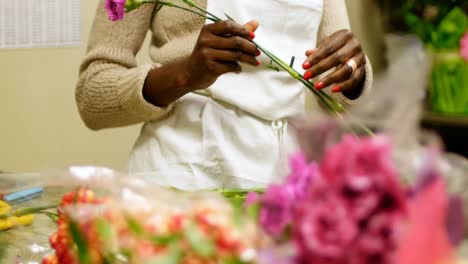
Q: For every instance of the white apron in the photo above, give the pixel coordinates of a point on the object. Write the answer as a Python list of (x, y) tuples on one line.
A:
[(234, 134)]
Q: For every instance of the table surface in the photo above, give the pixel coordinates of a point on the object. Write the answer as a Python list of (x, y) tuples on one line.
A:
[(30, 243)]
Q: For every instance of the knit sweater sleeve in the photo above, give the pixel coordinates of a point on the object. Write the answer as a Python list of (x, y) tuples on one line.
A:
[(334, 18), (109, 90)]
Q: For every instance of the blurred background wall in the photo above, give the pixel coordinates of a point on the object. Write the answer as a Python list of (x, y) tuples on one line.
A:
[(40, 126)]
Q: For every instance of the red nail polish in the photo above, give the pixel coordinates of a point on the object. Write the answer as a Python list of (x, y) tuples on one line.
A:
[(319, 85), (257, 63), (306, 65), (251, 35), (258, 53), (336, 89), (307, 75)]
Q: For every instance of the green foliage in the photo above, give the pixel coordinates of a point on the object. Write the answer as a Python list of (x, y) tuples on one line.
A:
[(444, 35), (450, 30), (449, 84), (131, 5), (199, 242), (437, 23), (173, 256), (80, 241)]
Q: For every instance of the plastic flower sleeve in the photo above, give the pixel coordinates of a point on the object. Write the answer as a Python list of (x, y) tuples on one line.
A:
[(108, 217)]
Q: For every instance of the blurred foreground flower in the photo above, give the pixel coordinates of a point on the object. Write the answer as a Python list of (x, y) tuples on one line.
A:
[(97, 230), (355, 206), (352, 208)]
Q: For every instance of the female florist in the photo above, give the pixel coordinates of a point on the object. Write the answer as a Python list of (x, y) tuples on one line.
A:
[(258, 144)]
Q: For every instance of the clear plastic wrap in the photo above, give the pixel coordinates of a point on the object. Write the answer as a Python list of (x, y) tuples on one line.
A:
[(107, 217)]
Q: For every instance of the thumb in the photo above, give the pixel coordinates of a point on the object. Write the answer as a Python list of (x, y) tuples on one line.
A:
[(252, 25)]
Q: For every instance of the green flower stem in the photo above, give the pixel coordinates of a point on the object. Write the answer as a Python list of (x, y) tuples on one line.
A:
[(163, 3), (29, 210), (193, 4)]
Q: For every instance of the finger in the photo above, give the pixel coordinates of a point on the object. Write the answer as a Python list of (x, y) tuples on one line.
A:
[(228, 27), (233, 56), (310, 52), (239, 44), (350, 83), (331, 45), (252, 25), (341, 74), (337, 58), (220, 68), (235, 43)]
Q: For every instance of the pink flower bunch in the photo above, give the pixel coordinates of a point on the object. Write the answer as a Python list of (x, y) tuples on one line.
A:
[(464, 46), (277, 204), (115, 9), (353, 209)]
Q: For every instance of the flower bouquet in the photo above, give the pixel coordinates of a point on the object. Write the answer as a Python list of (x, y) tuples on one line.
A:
[(349, 204), (347, 199), (344, 201), (136, 224)]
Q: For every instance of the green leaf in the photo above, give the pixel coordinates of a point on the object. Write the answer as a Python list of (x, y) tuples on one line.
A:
[(199, 243), (80, 242), (131, 5), (173, 256), (134, 226), (3, 247), (423, 29), (108, 239), (253, 210), (451, 29), (164, 240), (291, 63), (273, 67), (233, 261), (104, 230), (190, 3), (238, 210), (229, 17)]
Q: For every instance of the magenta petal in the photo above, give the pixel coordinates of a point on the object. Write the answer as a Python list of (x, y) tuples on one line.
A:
[(464, 46), (455, 220), (115, 9)]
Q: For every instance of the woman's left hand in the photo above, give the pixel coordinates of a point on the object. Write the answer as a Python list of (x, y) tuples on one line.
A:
[(338, 50)]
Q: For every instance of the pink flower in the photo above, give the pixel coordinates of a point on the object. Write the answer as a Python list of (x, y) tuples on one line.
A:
[(301, 175), (425, 240), (378, 242), (354, 206), (277, 203), (115, 9), (323, 228), (361, 169), (464, 46), (252, 198), (276, 210)]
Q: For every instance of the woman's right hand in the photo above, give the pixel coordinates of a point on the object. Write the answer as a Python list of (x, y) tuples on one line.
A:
[(219, 49)]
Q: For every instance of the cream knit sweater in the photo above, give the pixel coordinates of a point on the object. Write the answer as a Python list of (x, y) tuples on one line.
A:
[(109, 90)]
